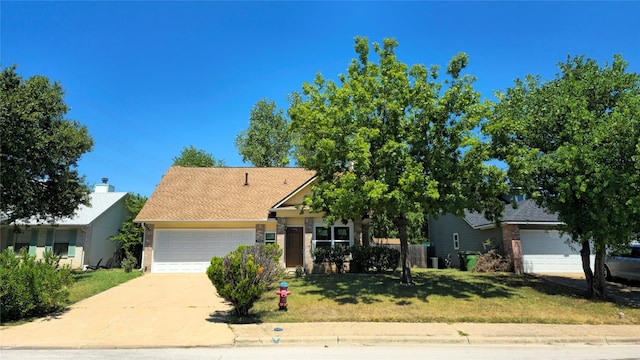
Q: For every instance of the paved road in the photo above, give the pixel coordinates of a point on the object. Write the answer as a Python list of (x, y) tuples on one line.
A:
[(343, 352)]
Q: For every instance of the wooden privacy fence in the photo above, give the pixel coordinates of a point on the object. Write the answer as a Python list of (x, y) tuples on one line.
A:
[(418, 255)]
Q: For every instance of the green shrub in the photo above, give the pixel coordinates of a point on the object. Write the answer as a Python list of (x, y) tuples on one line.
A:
[(242, 276), (320, 255), (334, 256), (30, 287), (129, 262), (374, 258)]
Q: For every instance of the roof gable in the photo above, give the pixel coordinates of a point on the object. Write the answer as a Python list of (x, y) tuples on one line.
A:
[(221, 193), (527, 212)]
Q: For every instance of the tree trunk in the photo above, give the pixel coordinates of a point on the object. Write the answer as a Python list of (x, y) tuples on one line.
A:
[(596, 282), (585, 254), (599, 281), (401, 223)]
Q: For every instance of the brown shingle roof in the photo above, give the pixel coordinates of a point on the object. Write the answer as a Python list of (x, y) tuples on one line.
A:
[(220, 193)]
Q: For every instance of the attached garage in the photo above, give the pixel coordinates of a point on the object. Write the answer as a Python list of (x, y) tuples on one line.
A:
[(547, 251), (190, 251)]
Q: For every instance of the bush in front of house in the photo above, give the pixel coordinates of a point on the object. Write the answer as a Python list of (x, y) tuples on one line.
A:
[(30, 287), (336, 256), (492, 261), (374, 258), (242, 276), (129, 262)]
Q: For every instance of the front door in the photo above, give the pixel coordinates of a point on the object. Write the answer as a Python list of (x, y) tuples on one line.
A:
[(293, 246)]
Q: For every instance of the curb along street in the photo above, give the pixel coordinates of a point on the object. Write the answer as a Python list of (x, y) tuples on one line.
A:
[(370, 334)]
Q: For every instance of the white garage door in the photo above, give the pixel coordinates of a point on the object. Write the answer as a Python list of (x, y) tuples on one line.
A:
[(190, 251), (548, 252)]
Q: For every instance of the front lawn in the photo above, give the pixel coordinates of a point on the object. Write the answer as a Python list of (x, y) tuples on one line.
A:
[(87, 284), (437, 296)]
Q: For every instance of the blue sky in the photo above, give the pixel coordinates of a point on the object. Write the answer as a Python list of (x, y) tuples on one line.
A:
[(149, 78)]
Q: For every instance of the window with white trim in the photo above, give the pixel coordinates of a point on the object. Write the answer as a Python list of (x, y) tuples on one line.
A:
[(22, 240), (456, 241), (270, 238), (61, 243), (332, 236)]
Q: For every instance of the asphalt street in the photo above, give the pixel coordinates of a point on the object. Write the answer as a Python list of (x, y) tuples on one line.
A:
[(462, 352)]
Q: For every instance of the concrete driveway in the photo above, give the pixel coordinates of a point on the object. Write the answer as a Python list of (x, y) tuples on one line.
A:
[(154, 310)]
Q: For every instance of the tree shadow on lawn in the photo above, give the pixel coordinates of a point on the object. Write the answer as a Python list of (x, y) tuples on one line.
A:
[(372, 288)]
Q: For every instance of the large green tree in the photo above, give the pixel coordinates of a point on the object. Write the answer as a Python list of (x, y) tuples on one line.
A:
[(40, 150), (266, 143), (389, 140), (573, 143), (192, 157)]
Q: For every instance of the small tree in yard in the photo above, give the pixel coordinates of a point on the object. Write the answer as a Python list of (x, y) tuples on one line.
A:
[(242, 276)]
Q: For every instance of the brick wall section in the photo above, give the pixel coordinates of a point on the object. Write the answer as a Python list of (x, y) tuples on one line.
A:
[(148, 246), (357, 232), (307, 258), (260, 233), (280, 234), (511, 233)]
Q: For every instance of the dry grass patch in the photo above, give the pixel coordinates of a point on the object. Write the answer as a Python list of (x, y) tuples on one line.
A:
[(438, 296)]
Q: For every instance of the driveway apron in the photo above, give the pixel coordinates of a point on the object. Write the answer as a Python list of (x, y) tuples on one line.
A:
[(154, 310)]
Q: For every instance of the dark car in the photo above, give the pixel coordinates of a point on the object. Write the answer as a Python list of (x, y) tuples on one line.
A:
[(624, 264)]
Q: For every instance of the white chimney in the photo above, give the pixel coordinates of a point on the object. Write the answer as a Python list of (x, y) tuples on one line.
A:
[(104, 187)]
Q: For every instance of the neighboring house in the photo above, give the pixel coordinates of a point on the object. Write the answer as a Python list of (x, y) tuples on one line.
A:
[(196, 213), (82, 239), (544, 249)]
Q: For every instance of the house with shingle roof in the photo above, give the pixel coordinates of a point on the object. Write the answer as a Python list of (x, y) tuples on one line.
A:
[(79, 240), (196, 213), (526, 231)]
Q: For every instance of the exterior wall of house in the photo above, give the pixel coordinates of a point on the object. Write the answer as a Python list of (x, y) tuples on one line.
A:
[(441, 237), (41, 239), (87, 244), (285, 218), (106, 225)]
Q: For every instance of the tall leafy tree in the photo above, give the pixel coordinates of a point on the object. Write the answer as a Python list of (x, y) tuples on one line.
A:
[(40, 150), (266, 143), (192, 157), (389, 140), (573, 143)]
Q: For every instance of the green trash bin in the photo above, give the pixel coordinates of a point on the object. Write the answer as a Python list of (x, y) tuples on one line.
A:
[(468, 260), (471, 259)]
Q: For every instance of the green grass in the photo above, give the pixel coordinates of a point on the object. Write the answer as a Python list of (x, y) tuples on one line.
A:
[(437, 296), (87, 284)]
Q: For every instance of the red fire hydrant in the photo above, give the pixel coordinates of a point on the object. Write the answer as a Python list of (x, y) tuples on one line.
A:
[(283, 292)]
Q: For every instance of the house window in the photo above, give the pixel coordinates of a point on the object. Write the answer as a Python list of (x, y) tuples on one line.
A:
[(270, 238), (332, 236), (22, 241), (61, 243), (456, 241)]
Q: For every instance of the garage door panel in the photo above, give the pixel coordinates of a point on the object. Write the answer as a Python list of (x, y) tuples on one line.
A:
[(547, 251), (188, 251)]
